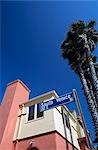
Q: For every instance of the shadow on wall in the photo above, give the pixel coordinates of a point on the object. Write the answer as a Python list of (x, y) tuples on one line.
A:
[(32, 148)]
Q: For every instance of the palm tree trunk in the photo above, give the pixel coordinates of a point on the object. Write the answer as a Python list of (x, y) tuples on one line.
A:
[(92, 93), (93, 75), (90, 101)]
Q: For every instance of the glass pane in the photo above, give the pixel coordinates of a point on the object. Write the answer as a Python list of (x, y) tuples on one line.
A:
[(31, 112), (67, 121), (39, 114)]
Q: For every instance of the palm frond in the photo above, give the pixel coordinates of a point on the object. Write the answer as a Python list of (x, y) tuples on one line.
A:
[(91, 24), (80, 38)]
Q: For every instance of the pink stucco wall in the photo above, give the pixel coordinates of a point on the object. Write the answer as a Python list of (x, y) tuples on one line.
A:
[(41, 142), (16, 93), (83, 144), (49, 141)]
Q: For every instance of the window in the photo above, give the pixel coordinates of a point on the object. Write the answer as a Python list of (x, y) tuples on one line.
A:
[(31, 112), (67, 120), (39, 114), (34, 112)]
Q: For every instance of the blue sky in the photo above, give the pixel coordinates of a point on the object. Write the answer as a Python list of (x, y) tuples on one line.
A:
[(31, 34)]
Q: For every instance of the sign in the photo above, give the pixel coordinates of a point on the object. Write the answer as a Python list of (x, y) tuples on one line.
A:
[(56, 102)]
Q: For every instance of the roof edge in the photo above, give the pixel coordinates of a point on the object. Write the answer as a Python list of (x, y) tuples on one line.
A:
[(42, 95), (19, 81)]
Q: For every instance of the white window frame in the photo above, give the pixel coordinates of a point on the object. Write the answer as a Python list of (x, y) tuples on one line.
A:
[(35, 114)]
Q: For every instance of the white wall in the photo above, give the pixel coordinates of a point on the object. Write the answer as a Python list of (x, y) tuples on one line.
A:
[(51, 121), (36, 127), (74, 131), (73, 126), (58, 121)]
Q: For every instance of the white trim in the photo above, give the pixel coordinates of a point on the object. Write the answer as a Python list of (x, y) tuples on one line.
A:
[(45, 94), (27, 113), (49, 99), (42, 95), (35, 114)]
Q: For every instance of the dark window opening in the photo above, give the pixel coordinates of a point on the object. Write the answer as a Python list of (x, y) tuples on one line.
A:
[(39, 114), (67, 121), (31, 112)]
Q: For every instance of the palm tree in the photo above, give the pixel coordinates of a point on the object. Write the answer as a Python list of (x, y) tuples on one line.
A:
[(77, 47)]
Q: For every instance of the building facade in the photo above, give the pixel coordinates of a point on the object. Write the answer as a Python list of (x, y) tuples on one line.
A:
[(24, 127)]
